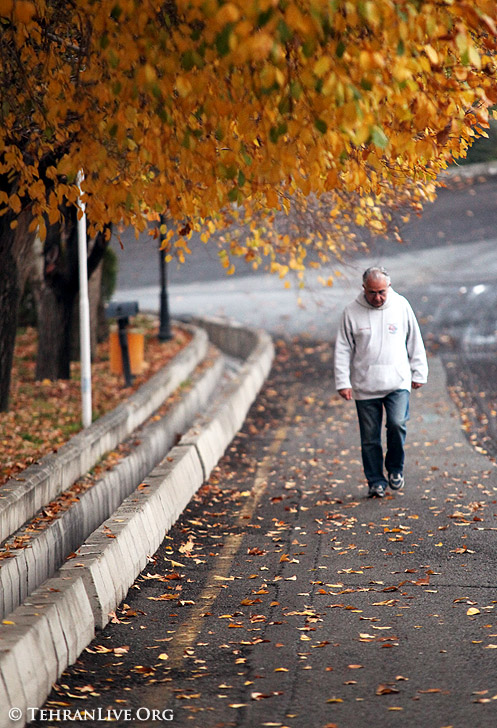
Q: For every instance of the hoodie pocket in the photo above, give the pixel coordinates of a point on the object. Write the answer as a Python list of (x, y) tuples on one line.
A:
[(380, 378)]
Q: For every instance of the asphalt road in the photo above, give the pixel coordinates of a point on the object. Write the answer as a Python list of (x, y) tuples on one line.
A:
[(284, 597)]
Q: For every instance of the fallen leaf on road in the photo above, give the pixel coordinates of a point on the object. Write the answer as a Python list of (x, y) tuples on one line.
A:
[(192, 696), (262, 696), (121, 650), (173, 563), (386, 689)]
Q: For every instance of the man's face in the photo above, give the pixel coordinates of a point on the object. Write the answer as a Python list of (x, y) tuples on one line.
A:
[(376, 291)]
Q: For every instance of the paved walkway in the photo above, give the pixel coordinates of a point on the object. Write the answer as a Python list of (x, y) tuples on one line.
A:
[(284, 597)]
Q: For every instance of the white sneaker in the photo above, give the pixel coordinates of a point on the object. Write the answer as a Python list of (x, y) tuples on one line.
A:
[(396, 481)]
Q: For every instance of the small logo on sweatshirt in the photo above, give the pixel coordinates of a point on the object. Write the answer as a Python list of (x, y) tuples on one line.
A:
[(392, 328)]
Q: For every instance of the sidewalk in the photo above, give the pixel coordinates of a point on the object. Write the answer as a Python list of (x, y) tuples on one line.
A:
[(284, 597)]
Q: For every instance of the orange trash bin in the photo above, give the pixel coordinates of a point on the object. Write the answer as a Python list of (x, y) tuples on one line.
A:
[(136, 347)]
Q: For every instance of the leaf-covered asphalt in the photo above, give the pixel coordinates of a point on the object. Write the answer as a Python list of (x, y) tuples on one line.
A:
[(284, 597)]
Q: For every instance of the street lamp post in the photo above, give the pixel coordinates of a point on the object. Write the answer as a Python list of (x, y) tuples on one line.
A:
[(165, 321)]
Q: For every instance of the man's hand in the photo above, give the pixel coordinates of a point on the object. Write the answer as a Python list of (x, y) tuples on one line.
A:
[(417, 385), (346, 393)]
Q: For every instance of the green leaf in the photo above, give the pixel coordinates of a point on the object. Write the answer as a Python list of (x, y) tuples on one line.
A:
[(284, 31), (321, 125), (162, 114), (378, 137), (308, 48), (276, 131), (296, 90), (264, 17), (246, 158), (284, 105), (223, 40), (187, 142), (116, 12), (113, 59), (187, 60)]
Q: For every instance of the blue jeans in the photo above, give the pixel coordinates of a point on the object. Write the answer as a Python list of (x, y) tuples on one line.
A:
[(370, 413)]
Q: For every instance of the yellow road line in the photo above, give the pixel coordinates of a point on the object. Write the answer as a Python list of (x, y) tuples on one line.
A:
[(188, 632)]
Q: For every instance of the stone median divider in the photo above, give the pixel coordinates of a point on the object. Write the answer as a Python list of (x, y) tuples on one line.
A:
[(59, 618), (23, 496), (44, 550)]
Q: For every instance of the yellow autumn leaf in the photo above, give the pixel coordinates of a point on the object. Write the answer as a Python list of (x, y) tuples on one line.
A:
[(322, 66), (228, 13), (432, 54), (6, 7), (183, 86), (24, 11)]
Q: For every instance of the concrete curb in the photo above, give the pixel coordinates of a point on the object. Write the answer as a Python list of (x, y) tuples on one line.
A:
[(91, 585), (50, 631), (28, 567), (44, 481)]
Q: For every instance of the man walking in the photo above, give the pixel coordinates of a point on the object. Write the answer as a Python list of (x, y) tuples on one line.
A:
[(379, 355)]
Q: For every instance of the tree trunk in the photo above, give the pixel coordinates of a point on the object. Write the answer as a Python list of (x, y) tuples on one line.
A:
[(55, 318), (59, 294), (23, 248), (9, 301)]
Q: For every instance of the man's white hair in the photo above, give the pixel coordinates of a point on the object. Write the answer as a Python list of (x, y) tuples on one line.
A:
[(375, 271)]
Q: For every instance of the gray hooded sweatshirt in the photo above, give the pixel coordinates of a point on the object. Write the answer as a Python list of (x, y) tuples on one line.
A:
[(379, 350)]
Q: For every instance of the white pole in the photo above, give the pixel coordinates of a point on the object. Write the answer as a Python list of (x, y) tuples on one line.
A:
[(84, 314)]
